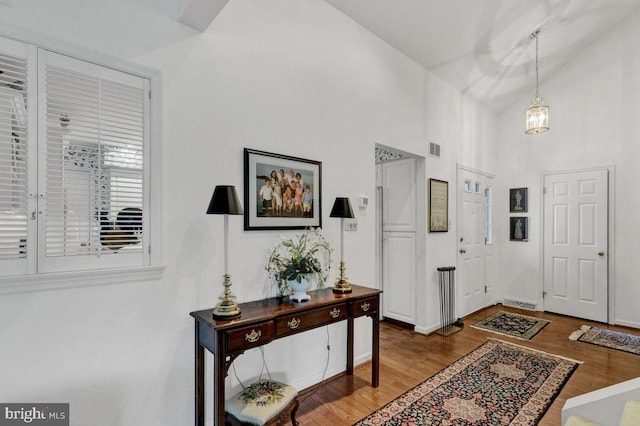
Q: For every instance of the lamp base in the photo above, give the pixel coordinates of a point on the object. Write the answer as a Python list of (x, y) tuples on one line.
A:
[(226, 308), (342, 285)]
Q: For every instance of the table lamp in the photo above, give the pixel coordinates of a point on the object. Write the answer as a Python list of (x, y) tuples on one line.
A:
[(225, 201), (342, 209)]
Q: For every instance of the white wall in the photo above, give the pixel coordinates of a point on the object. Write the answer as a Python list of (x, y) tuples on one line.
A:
[(468, 135), (595, 104), (288, 76)]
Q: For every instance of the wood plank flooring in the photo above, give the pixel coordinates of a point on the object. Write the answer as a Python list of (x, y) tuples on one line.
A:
[(407, 358)]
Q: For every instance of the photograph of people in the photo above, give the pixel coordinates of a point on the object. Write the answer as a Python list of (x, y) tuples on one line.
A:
[(284, 194), (266, 196), (307, 201)]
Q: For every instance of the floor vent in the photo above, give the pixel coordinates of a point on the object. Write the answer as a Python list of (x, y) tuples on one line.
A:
[(434, 150), (519, 304)]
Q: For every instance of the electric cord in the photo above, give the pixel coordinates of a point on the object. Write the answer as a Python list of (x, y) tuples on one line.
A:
[(324, 372), (262, 369)]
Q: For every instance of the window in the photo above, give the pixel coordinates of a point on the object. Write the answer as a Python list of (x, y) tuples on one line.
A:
[(74, 193)]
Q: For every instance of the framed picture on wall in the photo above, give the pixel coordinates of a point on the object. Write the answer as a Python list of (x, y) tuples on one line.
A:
[(518, 200), (519, 228), (281, 191), (438, 205)]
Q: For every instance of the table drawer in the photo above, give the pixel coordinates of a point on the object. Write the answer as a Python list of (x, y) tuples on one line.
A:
[(305, 320), (365, 306), (249, 336)]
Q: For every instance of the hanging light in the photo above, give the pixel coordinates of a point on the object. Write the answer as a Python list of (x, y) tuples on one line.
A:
[(538, 112)]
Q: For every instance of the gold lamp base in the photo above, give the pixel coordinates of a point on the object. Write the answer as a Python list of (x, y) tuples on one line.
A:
[(226, 308), (342, 285)]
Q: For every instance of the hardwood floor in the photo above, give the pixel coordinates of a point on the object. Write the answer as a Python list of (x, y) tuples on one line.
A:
[(407, 358)]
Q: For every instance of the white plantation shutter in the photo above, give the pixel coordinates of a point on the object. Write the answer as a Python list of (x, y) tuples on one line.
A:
[(13, 158), (93, 130), (74, 176)]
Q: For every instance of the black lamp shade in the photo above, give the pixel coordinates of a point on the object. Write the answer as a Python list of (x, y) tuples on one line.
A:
[(225, 201), (342, 208)]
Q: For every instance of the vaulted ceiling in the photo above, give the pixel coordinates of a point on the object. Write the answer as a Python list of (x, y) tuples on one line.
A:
[(481, 47)]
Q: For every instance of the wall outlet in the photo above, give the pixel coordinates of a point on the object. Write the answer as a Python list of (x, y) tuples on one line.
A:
[(351, 224)]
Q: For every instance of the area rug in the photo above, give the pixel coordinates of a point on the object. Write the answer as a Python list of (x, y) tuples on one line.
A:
[(498, 383), (608, 338), (512, 325)]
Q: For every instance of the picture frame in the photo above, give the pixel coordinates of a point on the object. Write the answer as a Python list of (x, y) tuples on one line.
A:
[(438, 205), (293, 210), (518, 200), (519, 228)]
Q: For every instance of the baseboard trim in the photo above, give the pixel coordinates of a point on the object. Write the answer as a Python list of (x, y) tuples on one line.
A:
[(427, 330), (400, 324), (631, 324)]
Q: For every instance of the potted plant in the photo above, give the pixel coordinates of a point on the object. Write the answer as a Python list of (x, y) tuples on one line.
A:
[(295, 263)]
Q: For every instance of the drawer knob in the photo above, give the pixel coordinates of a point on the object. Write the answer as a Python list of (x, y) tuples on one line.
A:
[(253, 336), (365, 306), (293, 323), (335, 313)]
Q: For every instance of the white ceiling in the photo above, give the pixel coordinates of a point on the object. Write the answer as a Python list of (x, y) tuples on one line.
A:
[(483, 47)]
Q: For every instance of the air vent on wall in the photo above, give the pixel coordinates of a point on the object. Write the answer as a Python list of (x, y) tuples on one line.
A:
[(434, 150), (519, 304)]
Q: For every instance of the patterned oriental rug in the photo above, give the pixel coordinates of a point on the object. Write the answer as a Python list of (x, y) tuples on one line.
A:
[(608, 338), (498, 383), (512, 325)]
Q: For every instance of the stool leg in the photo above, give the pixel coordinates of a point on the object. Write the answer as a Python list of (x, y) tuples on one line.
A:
[(294, 422)]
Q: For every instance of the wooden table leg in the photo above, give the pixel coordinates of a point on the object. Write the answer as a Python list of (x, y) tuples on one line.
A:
[(350, 346), (375, 351), (219, 373), (199, 379)]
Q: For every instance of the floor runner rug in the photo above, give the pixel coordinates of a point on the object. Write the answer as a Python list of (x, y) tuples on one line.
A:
[(513, 325), (498, 383), (608, 338)]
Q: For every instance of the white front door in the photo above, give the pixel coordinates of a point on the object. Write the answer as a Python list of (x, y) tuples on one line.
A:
[(575, 244), (477, 267)]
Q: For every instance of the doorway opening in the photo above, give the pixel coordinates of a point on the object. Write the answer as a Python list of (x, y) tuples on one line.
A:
[(400, 241)]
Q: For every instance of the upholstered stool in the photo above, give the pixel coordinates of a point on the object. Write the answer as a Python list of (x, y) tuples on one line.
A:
[(265, 402)]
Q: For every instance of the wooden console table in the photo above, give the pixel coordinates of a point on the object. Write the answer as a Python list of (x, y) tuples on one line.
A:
[(266, 320)]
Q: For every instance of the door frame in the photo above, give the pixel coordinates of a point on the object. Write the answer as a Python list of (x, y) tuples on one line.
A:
[(420, 231), (610, 233), (496, 249)]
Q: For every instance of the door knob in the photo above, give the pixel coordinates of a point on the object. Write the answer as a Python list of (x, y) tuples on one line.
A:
[(462, 251), (601, 253)]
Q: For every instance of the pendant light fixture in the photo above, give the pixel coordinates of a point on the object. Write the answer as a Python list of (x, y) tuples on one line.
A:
[(538, 112)]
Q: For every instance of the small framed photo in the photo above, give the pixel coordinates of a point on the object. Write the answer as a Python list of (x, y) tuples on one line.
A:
[(281, 191), (518, 200), (519, 228), (438, 205)]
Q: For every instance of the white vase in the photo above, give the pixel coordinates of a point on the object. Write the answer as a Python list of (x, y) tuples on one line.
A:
[(299, 290)]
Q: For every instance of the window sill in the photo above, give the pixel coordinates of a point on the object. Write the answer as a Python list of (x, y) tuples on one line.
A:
[(53, 281)]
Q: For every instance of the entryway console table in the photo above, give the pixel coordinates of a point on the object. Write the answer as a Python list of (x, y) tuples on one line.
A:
[(263, 321)]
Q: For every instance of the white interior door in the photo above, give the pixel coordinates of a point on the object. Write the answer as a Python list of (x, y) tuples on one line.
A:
[(399, 184), (575, 244), (477, 264), (399, 276), (399, 266)]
